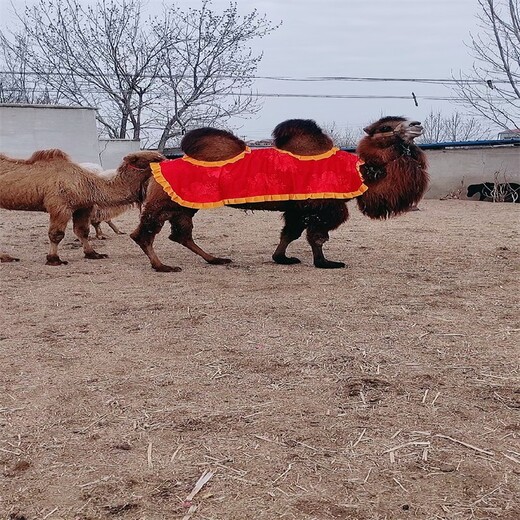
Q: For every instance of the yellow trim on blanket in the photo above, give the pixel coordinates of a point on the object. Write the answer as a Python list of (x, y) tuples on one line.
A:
[(196, 162), (324, 155), (156, 170)]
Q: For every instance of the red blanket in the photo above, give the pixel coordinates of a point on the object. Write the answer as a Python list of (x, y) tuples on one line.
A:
[(260, 175)]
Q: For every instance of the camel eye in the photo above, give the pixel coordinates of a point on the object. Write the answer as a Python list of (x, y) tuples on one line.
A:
[(385, 129)]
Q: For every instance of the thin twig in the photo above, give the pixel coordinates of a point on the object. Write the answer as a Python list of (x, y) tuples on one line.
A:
[(411, 443), (204, 478), (283, 474), (400, 485), (175, 454), (190, 512), (49, 514), (359, 438), (149, 454), (467, 445)]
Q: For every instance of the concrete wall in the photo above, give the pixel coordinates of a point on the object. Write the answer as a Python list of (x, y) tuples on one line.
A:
[(448, 168), (112, 151), (27, 128)]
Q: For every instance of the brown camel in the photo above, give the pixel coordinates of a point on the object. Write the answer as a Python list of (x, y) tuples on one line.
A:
[(49, 181), (394, 170)]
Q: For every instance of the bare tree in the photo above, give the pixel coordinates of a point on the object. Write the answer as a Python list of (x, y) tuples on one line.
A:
[(149, 78), (207, 77), (438, 128), (342, 137), (495, 94), (95, 55), (16, 84)]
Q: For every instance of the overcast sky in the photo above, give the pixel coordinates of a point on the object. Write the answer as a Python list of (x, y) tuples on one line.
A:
[(355, 38)]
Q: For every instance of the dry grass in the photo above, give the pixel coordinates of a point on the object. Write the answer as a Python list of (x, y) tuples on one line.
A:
[(387, 390)]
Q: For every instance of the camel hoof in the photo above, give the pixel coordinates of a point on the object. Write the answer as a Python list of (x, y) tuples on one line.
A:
[(7, 258), (219, 261), (166, 269), (55, 260), (95, 256), (328, 264), (286, 260)]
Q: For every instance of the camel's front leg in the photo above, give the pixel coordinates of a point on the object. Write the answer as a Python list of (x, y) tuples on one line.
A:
[(81, 226), (151, 222), (181, 232), (316, 238), (294, 226), (329, 217), (57, 225)]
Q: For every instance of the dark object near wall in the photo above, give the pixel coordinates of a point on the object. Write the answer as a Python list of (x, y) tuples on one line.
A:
[(505, 192)]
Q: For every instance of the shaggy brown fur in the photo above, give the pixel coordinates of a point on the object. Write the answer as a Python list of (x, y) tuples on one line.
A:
[(49, 181), (384, 166), (395, 168)]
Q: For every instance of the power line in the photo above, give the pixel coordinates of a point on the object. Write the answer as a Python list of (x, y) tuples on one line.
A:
[(290, 95), (439, 81), (347, 96)]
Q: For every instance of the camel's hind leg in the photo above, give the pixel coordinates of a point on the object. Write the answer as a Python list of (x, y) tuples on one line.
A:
[(294, 226), (181, 232), (114, 228), (57, 225), (99, 232), (327, 218), (81, 226), (151, 222)]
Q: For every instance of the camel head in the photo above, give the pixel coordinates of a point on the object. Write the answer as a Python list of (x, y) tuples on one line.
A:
[(387, 129), (141, 160), (135, 170), (394, 167)]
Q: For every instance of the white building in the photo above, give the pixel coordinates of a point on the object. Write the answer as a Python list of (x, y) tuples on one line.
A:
[(27, 128), (514, 133)]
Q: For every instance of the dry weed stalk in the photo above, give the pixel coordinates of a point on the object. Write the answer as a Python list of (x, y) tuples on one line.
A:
[(455, 194), (502, 190)]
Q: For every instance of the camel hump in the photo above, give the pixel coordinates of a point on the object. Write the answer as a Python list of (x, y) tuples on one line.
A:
[(48, 155), (301, 137), (211, 144), (293, 128)]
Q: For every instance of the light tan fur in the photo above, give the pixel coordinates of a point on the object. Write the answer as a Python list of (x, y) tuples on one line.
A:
[(49, 181), (99, 214)]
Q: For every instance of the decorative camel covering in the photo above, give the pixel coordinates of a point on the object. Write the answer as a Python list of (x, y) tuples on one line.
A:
[(260, 175)]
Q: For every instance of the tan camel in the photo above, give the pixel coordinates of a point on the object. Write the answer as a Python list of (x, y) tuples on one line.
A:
[(99, 214), (49, 181)]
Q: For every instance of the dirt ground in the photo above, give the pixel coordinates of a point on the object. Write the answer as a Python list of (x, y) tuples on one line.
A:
[(386, 390)]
